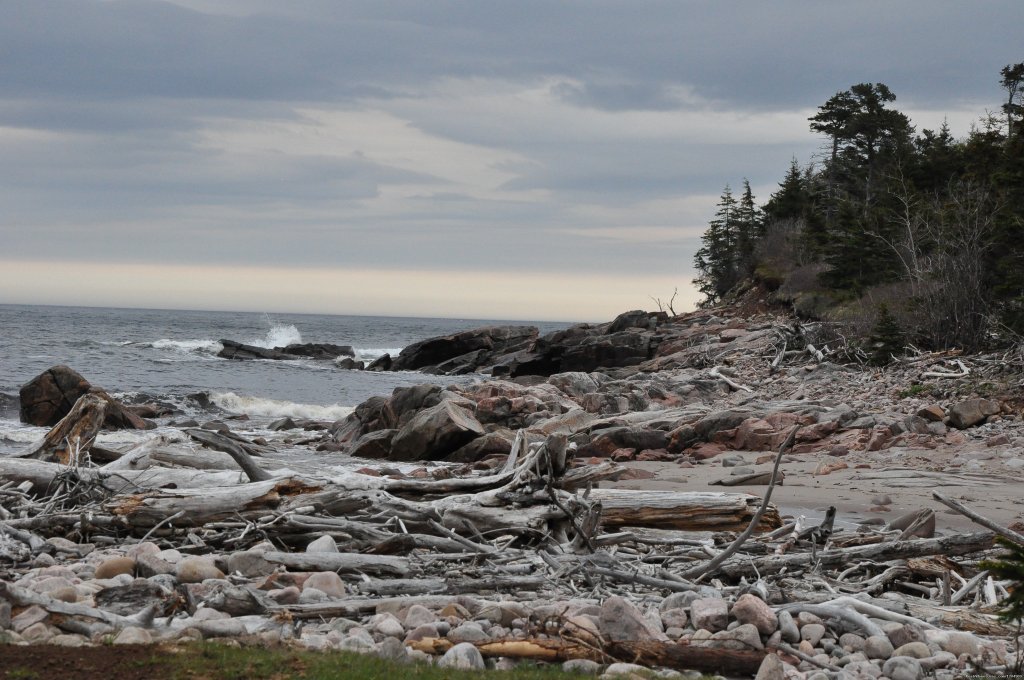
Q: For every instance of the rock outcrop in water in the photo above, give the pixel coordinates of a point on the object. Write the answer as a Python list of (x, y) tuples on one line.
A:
[(311, 350), (52, 394)]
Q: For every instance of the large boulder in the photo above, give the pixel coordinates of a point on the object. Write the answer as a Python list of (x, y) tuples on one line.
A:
[(49, 396), (469, 349), (435, 432), (318, 350), (971, 412), (242, 352), (310, 350)]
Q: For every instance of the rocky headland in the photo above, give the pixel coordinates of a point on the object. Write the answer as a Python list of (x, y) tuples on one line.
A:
[(726, 490)]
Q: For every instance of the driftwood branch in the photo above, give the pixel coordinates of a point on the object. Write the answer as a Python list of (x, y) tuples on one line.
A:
[(1006, 533)]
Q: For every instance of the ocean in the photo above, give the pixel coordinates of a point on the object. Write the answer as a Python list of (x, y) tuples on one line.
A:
[(169, 356)]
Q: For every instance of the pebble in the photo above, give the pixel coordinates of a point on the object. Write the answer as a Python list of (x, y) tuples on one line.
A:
[(133, 635), (392, 649), (326, 582), (751, 609), (467, 632), (917, 650), (114, 566), (788, 628), (324, 544), (197, 570), (711, 614), (812, 633), (878, 647), (463, 656), (903, 668), (581, 666), (418, 615), (627, 669)]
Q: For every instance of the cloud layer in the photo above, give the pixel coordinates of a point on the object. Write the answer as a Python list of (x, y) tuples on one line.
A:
[(543, 138)]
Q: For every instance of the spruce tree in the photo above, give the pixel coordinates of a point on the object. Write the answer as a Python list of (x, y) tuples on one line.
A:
[(749, 229), (715, 261), (887, 339)]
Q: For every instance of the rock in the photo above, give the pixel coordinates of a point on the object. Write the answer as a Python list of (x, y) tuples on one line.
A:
[(961, 643), (878, 647), (327, 582), (434, 433), (621, 621), (114, 566), (812, 632), (788, 628), (679, 600), (932, 413), (281, 424), (916, 650), (49, 396), (69, 641), (881, 499), (376, 444), (251, 564), (742, 637), (289, 595), (904, 634), (388, 625), (150, 565), (5, 615), (674, 618), (392, 649), (771, 668), (851, 642), (751, 609), (467, 632), (902, 668), (711, 614), (324, 544), (197, 570), (30, 616), (968, 413), (133, 635), (474, 345), (39, 633), (242, 352), (629, 670), (321, 351), (463, 656), (581, 667), (419, 615)]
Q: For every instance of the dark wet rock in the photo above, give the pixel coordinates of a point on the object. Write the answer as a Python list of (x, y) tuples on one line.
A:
[(50, 395), (381, 363), (318, 350), (349, 364), (435, 432), (243, 352), (280, 424), (464, 352), (375, 444)]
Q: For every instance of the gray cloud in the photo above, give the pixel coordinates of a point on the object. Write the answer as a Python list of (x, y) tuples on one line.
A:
[(569, 136)]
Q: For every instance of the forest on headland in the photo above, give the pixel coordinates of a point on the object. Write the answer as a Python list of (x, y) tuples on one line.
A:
[(898, 236)]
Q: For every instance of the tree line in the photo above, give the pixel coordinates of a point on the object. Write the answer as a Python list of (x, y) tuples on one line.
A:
[(921, 230)]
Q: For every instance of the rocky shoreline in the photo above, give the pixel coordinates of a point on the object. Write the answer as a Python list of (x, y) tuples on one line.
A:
[(542, 523)]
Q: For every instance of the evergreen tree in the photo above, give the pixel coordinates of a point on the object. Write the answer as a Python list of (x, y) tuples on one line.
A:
[(716, 261), (749, 229), (887, 339)]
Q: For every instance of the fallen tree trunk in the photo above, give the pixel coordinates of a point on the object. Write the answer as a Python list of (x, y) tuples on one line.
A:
[(960, 544), (686, 510), (648, 653)]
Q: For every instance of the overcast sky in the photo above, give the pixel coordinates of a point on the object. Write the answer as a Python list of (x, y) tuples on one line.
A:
[(540, 159)]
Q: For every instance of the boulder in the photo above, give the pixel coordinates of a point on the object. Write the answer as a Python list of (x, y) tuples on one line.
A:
[(621, 621), (49, 396), (710, 613), (242, 352), (968, 413), (318, 350), (753, 610), (471, 347), (434, 433), (52, 394), (463, 656)]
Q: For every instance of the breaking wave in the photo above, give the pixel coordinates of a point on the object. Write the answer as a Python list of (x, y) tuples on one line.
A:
[(279, 335), (187, 346), (273, 408), (373, 353)]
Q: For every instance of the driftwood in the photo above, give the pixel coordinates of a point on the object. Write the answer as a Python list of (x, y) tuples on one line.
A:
[(71, 438), (649, 653), (1006, 533), (949, 545)]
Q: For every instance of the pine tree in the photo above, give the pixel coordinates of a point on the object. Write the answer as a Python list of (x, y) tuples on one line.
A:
[(749, 229), (715, 261), (887, 339)]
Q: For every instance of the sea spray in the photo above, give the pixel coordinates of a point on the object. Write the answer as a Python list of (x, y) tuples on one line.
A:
[(275, 408)]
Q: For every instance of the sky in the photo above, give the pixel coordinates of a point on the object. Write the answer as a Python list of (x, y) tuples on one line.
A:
[(535, 159)]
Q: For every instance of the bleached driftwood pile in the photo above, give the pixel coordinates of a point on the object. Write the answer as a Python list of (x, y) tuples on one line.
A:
[(526, 561)]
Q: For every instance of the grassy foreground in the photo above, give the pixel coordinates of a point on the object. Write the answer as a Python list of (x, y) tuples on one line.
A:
[(210, 661)]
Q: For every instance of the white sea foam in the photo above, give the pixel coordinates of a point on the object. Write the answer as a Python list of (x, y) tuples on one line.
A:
[(279, 335), (273, 408), (188, 346), (375, 353)]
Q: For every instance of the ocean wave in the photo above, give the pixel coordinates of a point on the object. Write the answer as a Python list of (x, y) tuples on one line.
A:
[(186, 346), (376, 353), (274, 408), (279, 335)]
